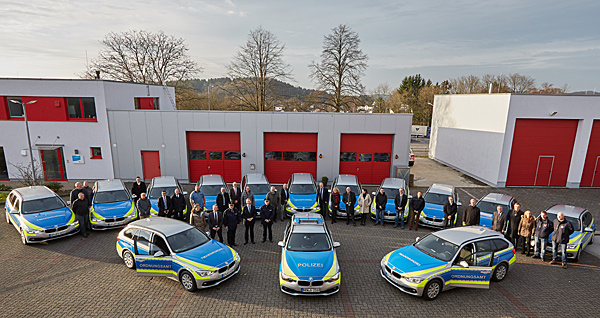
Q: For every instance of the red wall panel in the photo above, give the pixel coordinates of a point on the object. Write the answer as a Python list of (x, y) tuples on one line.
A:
[(279, 171), (370, 172), (541, 152), (230, 170), (591, 169), (3, 108), (146, 102), (46, 109)]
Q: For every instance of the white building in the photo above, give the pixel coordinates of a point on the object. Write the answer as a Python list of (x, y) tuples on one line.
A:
[(519, 140)]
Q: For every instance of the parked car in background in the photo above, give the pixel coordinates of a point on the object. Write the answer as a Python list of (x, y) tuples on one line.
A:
[(391, 187), (260, 186), (411, 158), (342, 182), (157, 185), (112, 205), (211, 185), (489, 203), (435, 198), (303, 194), (583, 223)]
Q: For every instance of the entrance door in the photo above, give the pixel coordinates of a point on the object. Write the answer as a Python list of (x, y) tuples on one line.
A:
[(215, 162), (544, 171), (596, 176), (151, 164), (54, 165)]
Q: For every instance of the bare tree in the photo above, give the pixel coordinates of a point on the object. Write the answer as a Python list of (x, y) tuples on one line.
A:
[(467, 85), (253, 69), (520, 83), (25, 172), (547, 88), (342, 65)]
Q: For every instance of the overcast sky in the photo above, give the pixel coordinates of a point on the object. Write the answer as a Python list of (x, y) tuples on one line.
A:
[(552, 41)]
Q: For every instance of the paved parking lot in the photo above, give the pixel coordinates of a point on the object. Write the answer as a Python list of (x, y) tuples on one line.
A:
[(77, 277)]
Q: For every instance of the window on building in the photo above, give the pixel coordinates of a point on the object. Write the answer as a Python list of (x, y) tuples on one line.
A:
[(215, 155), (347, 156), (96, 153), (290, 155), (272, 155), (382, 157), (198, 154), (365, 157), (14, 109), (81, 108), (308, 156), (146, 102), (3, 168), (232, 155)]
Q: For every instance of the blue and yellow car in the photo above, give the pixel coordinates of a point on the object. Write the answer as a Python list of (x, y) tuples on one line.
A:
[(459, 257), (39, 214), (391, 187), (583, 223), (211, 185), (435, 198), (309, 265), (112, 206), (342, 182), (303, 194), (174, 249), (156, 187), (488, 204)]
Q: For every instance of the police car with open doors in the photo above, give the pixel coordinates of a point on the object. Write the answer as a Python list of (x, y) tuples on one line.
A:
[(112, 205), (309, 265)]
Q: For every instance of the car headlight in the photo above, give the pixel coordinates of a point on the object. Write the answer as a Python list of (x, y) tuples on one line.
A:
[(30, 231), (413, 280), (205, 273), (94, 219), (333, 278), (572, 246), (287, 278), (74, 223)]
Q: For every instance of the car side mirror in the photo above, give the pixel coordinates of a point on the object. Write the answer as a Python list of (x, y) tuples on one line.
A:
[(68, 202), (374, 193), (14, 212), (185, 193), (336, 244), (410, 196), (281, 244), (587, 229), (159, 254), (417, 239), (464, 264), (458, 204)]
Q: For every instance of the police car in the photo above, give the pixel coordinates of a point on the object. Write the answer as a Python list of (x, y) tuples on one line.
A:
[(39, 214), (166, 247), (111, 205), (488, 205), (583, 223), (458, 257), (157, 185), (259, 186), (309, 265), (342, 182), (303, 194), (391, 187), (435, 198), (211, 185)]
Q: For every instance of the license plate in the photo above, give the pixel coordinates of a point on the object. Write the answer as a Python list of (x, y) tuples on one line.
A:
[(107, 224), (311, 290), (222, 275), (429, 222), (49, 235)]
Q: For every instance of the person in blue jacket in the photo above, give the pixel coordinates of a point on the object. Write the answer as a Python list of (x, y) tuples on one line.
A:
[(267, 214), (231, 219)]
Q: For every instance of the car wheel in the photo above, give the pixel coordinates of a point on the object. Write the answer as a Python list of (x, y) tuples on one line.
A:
[(23, 238), (188, 281), (128, 259), (500, 272), (432, 289)]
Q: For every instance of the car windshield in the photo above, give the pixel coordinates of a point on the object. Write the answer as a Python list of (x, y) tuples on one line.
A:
[(298, 188), (435, 198), (156, 192), (437, 247), (353, 188), (574, 221), (187, 240), (390, 193), (490, 207), (111, 196), (42, 205), (259, 188), (308, 242), (211, 189)]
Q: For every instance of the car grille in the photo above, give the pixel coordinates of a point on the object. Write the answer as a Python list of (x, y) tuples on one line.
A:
[(114, 220), (433, 219), (303, 283), (64, 227), (315, 283), (303, 210), (225, 268)]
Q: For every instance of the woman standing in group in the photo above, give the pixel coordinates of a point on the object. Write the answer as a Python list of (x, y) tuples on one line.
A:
[(526, 227), (197, 218), (364, 203), (335, 203)]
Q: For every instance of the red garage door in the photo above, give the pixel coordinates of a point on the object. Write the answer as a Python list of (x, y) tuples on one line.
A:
[(214, 153), (366, 156), (287, 153), (541, 152), (591, 170)]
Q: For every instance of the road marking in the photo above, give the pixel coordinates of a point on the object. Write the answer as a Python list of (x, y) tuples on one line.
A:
[(169, 308), (515, 301), (346, 302), (467, 192)]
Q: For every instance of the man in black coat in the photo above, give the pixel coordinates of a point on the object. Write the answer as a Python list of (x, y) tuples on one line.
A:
[(248, 215), (165, 206), (79, 189), (179, 204), (235, 196), (514, 219), (418, 204), (215, 223), (499, 220), (400, 202), (283, 200), (380, 204), (471, 214), (349, 198), (223, 200), (450, 210), (82, 210), (267, 215), (138, 188), (323, 199), (562, 231), (231, 219), (543, 229)]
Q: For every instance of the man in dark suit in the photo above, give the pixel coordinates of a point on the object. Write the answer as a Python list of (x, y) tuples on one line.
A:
[(231, 219), (215, 223), (349, 199), (400, 202), (285, 196), (471, 214), (138, 188), (450, 210), (418, 204), (235, 196), (223, 200), (323, 199), (248, 215), (499, 222), (178, 202), (267, 215), (165, 206)]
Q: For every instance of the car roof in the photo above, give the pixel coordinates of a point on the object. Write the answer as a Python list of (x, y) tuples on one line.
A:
[(109, 185), (393, 183), (308, 222), (34, 192), (462, 234), (441, 188), (256, 178), (568, 210), (211, 179), (498, 198), (347, 179), (166, 226), (302, 178), (164, 181)]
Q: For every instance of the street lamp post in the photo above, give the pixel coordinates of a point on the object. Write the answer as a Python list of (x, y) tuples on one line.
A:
[(28, 137)]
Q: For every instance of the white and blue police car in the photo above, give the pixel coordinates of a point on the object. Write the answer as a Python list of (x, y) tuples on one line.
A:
[(303, 194), (435, 197), (391, 186), (112, 205), (459, 257), (211, 185), (309, 265), (342, 182), (584, 227), (157, 185), (166, 247)]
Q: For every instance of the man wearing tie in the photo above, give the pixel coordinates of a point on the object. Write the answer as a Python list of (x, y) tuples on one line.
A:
[(349, 199), (137, 189), (215, 223), (285, 196), (323, 199), (499, 222), (450, 211), (235, 196), (164, 205), (268, 214), (248, 215), (223, 200), (178, 202)]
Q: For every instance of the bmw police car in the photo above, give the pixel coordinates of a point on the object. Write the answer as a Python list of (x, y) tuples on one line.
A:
[(391, 187), (488, 205), (309, 265), (583, 223), (303, 194), (39, 214), (174, 249), (458, 257), (342, 182), (156, 187), (435, 198), (211, 185), (111, 205)]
